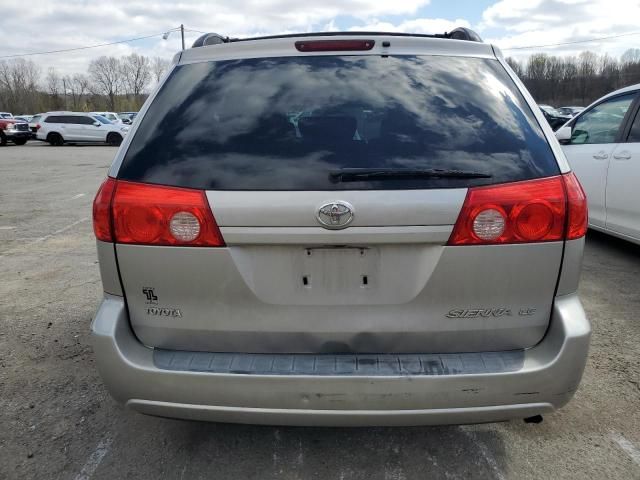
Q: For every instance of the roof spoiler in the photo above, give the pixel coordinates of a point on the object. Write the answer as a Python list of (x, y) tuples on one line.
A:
[(460, 33)]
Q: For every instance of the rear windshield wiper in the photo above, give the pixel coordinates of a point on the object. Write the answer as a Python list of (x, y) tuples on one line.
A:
[(359, 174)]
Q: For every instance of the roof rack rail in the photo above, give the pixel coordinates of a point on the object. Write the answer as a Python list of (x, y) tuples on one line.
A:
[(463, 33), (460, 33), (210, 39)]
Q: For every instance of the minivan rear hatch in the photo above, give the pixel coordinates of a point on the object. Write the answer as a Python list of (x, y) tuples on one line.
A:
[(336, 182)]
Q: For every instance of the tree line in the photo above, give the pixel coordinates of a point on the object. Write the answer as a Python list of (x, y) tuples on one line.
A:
[(576, 80), (121, 84), (110, 84)]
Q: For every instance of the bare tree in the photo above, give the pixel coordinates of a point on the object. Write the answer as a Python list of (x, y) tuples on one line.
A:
[(569, 77), (554, 75), (106, 75), (536, 73), (6, 85), (632, 55), (159, 65), (577, 80), (630, 66), (515, 66), (54, 88), (609, 73), (53, 82), (587, 62), (78, 88), (136, 72), (19, 84)]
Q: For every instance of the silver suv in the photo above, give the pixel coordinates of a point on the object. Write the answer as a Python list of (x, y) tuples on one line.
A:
[(341, 229)]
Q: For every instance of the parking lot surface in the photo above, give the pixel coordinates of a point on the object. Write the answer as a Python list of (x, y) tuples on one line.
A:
[(57, 420)]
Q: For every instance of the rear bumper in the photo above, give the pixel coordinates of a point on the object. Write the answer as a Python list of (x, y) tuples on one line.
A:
[(547, 378)]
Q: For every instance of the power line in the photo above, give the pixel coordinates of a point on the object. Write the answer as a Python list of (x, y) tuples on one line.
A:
[(87, 46), (575, 42)]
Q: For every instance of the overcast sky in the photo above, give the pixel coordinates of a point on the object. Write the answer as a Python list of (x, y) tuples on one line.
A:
[(40, 25)]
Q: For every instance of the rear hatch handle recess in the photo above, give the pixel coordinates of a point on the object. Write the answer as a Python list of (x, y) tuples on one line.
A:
[(359, 174)]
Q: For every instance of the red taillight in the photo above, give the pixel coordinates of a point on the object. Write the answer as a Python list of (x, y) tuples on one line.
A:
[(519, 212), (146, 214), (578, 214), (102, 211), (334, 45), (37, 126), (543, 210)]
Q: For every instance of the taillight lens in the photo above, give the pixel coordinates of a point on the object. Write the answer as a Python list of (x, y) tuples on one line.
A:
[(519, 212), (37, 126), (577, 222), (146, 214), (102, 211)]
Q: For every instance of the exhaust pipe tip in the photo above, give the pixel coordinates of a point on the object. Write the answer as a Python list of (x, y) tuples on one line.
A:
[(534, 419)]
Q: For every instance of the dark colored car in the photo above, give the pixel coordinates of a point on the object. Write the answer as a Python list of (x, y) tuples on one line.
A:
[(572, 111), (555, 118), (127, 117)]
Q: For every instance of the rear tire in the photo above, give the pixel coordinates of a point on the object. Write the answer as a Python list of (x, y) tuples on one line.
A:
[(3, 139), (114, 139), (55, 139), (20, 141)]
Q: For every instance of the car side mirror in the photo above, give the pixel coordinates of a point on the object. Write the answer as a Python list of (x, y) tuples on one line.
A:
[(563, 134), (96, 124)]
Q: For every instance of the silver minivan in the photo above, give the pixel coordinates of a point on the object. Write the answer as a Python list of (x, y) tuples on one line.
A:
[(341, 229)]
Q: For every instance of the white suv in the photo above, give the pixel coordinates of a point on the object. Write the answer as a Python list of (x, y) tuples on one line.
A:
[(60, 127), (111, 116)]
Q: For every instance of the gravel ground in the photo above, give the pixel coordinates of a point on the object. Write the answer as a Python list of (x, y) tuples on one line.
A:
[(57, 421)]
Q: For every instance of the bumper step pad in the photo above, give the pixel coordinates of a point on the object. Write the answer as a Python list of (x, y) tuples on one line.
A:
[(340, 364)]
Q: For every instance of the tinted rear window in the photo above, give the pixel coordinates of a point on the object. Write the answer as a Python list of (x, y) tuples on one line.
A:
[(286, 123), (84, 120), (71, 119)]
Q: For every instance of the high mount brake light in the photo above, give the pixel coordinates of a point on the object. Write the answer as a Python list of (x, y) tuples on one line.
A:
[(135, 213), (542, 210), (334, 45)]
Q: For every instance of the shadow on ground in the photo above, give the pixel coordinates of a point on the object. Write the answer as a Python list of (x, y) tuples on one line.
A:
[(199, 450)]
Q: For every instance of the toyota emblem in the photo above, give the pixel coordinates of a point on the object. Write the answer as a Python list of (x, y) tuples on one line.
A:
[(335, 215)]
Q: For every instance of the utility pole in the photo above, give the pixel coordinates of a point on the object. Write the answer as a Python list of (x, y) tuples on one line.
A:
[(64, 92), (166, 34)]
